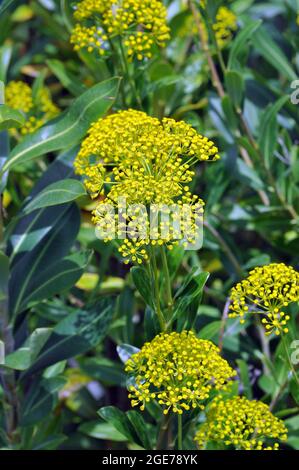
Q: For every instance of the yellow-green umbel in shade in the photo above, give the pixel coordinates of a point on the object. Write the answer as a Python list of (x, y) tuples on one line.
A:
[(38, 108), (241, 423), (266, 291), (178, 370)]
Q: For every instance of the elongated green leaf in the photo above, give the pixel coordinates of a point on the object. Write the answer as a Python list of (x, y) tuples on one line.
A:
[(38, 264), (78, 332), (245, 379), (210, 331), (57, 193), (68, 129), (120, 421), (32, 229), (6, 4), (4, 150), (5, 56), (67, 79), (273, 54), (235, 86), (143, 284), (140, 428), (40, 400), (23, 357), (4, 272), (58, 278), (105, 431), (240, 42), (10, 118), (249, 175), (269, 128)]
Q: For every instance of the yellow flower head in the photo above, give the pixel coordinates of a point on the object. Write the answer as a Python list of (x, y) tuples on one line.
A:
[(138, 23), (178, 370), (266, 291), (18, 95), (38, 109), (146, 161), (149, 159), (241, 423), (224, 26)]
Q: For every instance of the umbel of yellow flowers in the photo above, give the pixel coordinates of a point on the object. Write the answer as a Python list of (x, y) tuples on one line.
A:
[(241, 423), (265, 292), (138, 24), (149, 159), (224, 26), (38, 108), (146, 161), (178, 370)]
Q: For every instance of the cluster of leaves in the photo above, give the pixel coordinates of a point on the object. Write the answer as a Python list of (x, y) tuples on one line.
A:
[(71, 311)]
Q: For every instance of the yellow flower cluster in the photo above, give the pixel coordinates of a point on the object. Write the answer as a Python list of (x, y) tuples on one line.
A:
[(266, 291), (18, 95), (149, 160), (178, 370), (38, 109), (224, 26), (138, 23), (241, 423), (146, 161)]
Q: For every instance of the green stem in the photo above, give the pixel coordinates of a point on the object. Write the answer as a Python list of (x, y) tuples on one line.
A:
[(130, 79), (157, 290), (169, 300), (180, 432)]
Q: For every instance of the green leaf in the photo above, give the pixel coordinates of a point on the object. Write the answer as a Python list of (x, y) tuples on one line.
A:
[(63, 191), (37, 273), (249, 175), (105, 370), (68, 80), (69, 128), (58, 278), (119, 421), (143, 284), (105, 431), (245, 379), (240, 42), (140, 428), (10, 118), (5, 56), (79, 332), (210, 331), (40, 400), (6, 4), (23, 357), (235, 86), (272, 53), (269, 128), (32, 229), (4, 273), (229, 112)]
